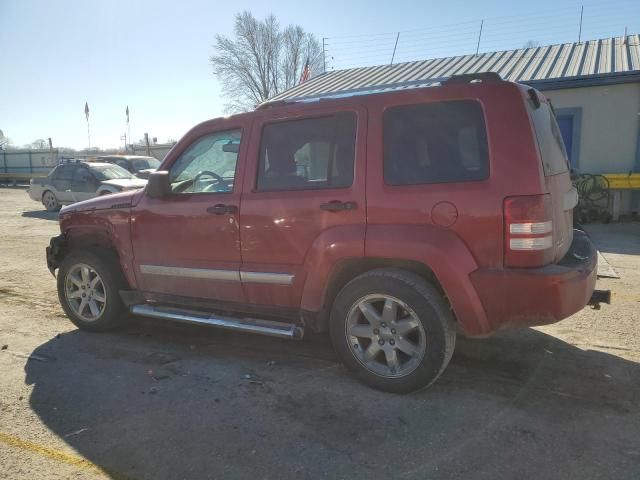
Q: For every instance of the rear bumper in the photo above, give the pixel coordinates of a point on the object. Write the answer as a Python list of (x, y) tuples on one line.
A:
[(538, 296)]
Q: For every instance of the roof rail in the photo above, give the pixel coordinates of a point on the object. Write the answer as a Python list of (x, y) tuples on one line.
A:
[(473, 77)]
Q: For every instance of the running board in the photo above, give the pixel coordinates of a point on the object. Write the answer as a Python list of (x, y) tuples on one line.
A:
[(250, 325)]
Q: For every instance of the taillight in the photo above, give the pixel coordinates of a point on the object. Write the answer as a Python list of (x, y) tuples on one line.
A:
[(528, 231)]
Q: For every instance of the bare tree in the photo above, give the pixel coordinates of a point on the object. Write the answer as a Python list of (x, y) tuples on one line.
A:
[(531, 44), (262, 60), (39, 144)]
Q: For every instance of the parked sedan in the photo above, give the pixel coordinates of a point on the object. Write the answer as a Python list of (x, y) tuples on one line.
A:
[(138, 165), (74, 182)]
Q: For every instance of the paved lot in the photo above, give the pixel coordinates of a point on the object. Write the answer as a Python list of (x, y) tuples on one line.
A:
[(167, 401)]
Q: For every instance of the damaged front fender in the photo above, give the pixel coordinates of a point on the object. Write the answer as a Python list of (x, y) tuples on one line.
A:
[(55, 253)]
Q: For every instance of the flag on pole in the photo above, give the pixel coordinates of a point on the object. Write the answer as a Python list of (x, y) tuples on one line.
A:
[(306, 73), (127, 112), (86, 110)]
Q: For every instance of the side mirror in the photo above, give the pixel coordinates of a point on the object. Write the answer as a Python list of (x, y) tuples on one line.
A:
[(158, 185)]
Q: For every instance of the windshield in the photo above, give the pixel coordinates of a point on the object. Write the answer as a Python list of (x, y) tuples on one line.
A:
[(110, 172), (144, 163)]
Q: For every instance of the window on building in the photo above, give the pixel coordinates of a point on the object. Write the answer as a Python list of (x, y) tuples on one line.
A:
[(435, 143), (308, 154)]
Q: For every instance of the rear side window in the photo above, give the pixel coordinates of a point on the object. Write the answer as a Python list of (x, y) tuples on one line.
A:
[(309, 153), (64, 172), (552, 151), (435, 143)]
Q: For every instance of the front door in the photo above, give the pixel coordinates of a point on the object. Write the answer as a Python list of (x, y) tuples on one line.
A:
[(187, 243), (303, 198), (84, 184)]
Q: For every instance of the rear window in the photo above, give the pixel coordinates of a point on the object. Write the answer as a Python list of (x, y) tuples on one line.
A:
[(552, 151), (435, 143)]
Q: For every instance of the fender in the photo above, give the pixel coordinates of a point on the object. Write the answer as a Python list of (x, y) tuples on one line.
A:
[(445, 254), (106, 228), (330, 247)]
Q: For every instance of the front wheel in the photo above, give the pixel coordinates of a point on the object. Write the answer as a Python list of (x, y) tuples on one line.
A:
[(89, 285), (393, 329)]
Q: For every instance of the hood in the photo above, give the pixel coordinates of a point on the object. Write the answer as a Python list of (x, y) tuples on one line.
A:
[(126, 183), (104, 202)]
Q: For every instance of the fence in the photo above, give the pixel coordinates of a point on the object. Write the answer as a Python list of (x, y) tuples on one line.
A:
[(20, 165)]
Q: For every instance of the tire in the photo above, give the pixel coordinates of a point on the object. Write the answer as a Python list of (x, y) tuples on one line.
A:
[(424, 327), (109, 313), (50, 201)]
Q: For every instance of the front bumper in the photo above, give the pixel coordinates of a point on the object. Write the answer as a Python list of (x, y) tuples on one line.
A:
[(55, 252), (538, 296)]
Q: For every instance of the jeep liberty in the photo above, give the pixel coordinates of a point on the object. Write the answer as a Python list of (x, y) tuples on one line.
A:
[(391, 220)]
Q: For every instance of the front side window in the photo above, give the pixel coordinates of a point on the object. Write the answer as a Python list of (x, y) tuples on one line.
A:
[(308, 154), (83, 180), (435, 143), (208, 165)]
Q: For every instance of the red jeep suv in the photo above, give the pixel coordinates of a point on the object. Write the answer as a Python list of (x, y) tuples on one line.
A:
[(390, 219)]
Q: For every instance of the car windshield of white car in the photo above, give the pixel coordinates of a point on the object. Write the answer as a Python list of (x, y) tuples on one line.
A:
[(111, 172)]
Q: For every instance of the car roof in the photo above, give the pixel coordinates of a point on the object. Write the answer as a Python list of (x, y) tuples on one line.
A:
[(97, 164), (125, 157)]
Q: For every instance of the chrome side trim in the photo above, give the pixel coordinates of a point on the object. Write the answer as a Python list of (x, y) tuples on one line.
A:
[(224, 275), (250, 325), (264, 277), (571, 199)]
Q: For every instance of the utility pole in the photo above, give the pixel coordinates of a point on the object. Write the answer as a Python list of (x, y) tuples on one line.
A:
[(324, 57), (146, 142), (394, 48), (580, 27), (479, 37)]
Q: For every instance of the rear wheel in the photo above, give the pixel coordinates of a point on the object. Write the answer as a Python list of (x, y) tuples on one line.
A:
[(50, 201), (393, 329), (88, 288)]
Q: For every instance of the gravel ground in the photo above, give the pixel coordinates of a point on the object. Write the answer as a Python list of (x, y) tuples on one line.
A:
[(159, 400)]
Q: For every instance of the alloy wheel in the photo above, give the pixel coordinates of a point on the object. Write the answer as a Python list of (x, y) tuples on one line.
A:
[(85, 292), (385, 335)]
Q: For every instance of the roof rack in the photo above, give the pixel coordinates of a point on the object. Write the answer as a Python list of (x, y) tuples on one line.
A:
[(381, 88)]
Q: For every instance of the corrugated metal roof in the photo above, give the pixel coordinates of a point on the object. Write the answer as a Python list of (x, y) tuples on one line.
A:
[(553, 66)]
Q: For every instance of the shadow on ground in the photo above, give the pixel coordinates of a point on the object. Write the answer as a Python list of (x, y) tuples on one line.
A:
[(41, 214), (183, 402), (621, 238)]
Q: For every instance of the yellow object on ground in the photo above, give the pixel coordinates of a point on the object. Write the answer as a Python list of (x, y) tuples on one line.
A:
[(623, 181)]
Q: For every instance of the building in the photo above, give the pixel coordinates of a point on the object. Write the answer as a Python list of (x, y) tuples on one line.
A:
[(594, 86)]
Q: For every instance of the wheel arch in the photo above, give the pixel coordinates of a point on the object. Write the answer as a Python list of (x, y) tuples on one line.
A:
[(436, 254), (97, 239)]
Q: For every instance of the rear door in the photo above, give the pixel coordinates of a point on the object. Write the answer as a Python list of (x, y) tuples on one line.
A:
[(302, 185), (555, 164), (62, 182)]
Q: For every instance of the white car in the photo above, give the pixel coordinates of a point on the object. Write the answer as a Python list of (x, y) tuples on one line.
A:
[(77, 181)]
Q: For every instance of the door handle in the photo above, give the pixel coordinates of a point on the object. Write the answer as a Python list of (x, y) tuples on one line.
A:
[(221, 209), (338, 206)]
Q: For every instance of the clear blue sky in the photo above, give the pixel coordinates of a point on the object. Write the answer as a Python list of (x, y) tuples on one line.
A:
[(153, 55)]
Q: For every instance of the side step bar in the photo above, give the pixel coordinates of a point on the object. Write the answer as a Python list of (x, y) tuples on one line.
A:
[(250, 325)]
